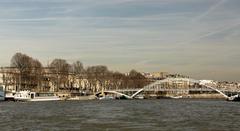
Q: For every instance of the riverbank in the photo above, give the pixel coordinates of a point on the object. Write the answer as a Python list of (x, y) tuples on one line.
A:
[(205, 96), (186, 96), (67, 96)]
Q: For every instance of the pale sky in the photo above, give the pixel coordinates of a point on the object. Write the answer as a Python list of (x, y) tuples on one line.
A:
[(200, 38)]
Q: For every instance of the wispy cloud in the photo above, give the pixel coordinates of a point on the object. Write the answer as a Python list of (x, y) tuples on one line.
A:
[(212, 33), (211, 9)]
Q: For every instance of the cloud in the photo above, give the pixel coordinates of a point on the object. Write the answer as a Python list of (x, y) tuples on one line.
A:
[(209, 11), (28, 20), (212, 33)]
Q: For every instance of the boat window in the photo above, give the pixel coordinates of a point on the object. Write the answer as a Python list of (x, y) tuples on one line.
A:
[(1, 88), (44, 94), (32, 95)]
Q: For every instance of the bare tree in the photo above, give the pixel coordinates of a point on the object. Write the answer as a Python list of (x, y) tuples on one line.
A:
[(29, 70), (21, 61), (117, 81), (37, 73), (97, 75), (78, 73), (77, 68), (60, 69), (136, 80)]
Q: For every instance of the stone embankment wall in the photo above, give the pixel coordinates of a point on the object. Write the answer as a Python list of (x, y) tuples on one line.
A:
[(205, 96)]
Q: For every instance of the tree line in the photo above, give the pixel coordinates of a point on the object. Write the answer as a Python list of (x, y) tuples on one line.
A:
[(61, 75)]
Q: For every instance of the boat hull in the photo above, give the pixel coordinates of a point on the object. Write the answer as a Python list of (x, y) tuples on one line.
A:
[(45, 99), (21, 99)]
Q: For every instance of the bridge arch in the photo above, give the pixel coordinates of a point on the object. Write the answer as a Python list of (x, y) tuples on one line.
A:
[(167, 80), (215, 89), (181, 79)]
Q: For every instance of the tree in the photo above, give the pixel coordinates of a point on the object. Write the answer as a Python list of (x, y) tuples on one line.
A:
[(97, 75), (77, 68), (60, 66), (21, 61), (118, 80), (136, 79), (135, 75), (78, 72), (37, 72), (60, 70), (29, 70)]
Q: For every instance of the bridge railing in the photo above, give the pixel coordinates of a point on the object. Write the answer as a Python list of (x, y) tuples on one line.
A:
[(174, 89)]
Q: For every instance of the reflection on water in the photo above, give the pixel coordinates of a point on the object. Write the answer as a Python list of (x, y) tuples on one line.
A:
[(184, 114)]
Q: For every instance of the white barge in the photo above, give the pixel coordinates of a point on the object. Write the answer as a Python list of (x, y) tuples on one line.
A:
[(33, 96)]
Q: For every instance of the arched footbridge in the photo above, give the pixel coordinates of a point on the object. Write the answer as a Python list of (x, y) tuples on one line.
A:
[(169, 84)]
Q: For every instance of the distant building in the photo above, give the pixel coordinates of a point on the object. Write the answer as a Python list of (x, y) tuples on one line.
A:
[(155, 75), (208, 82), (7, 80)]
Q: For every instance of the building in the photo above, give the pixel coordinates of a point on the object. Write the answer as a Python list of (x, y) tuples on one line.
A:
[(155, 75)]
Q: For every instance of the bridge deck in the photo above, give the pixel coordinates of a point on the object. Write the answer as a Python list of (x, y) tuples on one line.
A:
[(160, 86)]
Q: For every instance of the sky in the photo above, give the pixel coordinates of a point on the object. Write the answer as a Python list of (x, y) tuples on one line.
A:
[(199, 38)]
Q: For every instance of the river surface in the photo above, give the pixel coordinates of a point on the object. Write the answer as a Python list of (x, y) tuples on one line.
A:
[(127, 115)]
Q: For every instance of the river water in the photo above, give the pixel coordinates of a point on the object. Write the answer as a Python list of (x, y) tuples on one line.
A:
[(107, 115)]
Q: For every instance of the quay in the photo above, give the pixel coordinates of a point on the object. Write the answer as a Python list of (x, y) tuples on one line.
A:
[(167, 88), (174, 88)]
